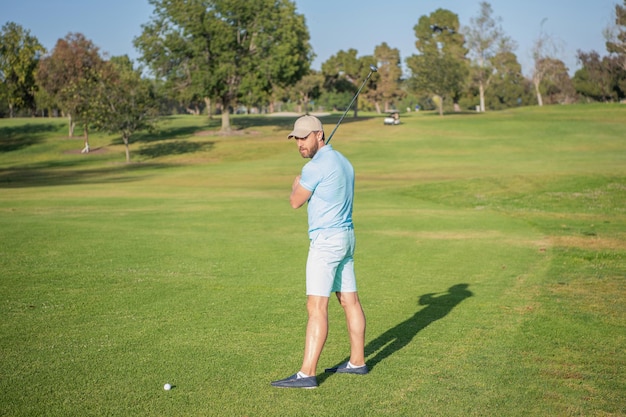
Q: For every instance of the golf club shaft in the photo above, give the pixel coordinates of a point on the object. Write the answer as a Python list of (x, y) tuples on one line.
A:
[(372, 70)]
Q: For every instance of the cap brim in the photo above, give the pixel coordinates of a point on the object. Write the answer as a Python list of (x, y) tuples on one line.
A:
[(299, 133)]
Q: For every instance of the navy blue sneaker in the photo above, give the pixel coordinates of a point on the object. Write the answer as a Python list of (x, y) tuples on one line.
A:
[(294, 381), (344, 369)]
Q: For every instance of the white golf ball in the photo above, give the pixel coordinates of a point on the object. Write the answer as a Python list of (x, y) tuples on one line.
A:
[(167, 387)]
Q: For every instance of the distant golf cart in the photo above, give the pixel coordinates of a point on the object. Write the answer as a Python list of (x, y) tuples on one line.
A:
[(393, 118)]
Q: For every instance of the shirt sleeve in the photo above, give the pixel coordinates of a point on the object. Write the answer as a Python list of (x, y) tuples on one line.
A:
[(310, 177)]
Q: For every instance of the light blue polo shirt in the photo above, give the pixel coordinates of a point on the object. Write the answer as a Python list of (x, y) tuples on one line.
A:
[(330, 178)]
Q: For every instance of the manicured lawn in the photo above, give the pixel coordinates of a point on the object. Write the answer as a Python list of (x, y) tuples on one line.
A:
[(491, 259)]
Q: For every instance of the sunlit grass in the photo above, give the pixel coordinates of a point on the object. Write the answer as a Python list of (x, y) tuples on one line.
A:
[(490, 260)]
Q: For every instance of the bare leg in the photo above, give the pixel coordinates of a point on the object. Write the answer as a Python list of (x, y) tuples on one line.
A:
[(316, 332), (355, 319)]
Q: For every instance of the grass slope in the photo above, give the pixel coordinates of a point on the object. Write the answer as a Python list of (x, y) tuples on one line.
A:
[(491, 261)]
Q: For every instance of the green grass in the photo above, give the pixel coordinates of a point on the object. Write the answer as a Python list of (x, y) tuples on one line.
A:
[(491, 261)]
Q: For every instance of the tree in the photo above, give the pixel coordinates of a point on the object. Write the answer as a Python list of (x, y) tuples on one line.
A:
[(508, 86), (308, 88), (69, 76), (124, 102), (615, 35), (485, 39), (544, 51), (226, 50), (19, 56), (599, 78), (440, 68), (171, 54), (344, 72), (556, 84), (389, 85)]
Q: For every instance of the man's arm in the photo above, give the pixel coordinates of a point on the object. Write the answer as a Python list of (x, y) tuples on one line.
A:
[(299, 194)]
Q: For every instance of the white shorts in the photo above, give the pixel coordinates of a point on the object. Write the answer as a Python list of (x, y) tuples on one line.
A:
[(330, 264)]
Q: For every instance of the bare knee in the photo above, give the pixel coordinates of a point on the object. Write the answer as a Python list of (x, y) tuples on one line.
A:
[(348, 300), (316, 305)]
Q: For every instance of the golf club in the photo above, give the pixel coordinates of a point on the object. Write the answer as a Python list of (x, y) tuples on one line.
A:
[(373, 69)]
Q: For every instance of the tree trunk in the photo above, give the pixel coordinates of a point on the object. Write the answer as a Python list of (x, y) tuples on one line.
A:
[(207, 103), (481, 89), (539, 98), (125, 139), (86, 139), (193, 110), (72, 125), (356, 107), (226, 119)]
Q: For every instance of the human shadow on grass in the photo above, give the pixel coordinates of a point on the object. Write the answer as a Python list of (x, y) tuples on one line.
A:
[(438, 305)]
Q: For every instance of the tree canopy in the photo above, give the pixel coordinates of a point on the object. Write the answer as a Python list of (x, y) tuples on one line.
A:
[(239, 55), (226, 50), (69, 75), (440, 67), (485, 39), (124, 102), (344, 73), (19, 56), (600, 78), (389, 85), (616, 35)]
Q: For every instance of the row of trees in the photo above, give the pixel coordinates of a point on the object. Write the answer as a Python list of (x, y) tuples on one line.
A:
[(222, 55), (108, 95), (476, 66), (75, 80)]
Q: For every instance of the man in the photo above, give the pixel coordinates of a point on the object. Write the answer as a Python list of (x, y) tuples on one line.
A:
[(327, 184)]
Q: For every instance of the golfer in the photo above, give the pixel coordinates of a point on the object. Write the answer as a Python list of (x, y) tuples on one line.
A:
[(327, 184)]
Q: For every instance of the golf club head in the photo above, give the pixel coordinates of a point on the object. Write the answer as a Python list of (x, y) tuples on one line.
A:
[(373, 68)]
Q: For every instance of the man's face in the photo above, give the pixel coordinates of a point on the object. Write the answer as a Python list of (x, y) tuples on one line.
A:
[(309, 145)]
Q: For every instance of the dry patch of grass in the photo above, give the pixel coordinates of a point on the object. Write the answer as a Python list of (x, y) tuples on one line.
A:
[(588, 242), (446, 235)]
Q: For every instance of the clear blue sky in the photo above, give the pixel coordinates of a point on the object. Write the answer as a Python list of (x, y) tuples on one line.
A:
[(334, 25)]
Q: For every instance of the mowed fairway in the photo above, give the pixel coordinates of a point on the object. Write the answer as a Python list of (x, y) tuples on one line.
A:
[(491, 259)]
